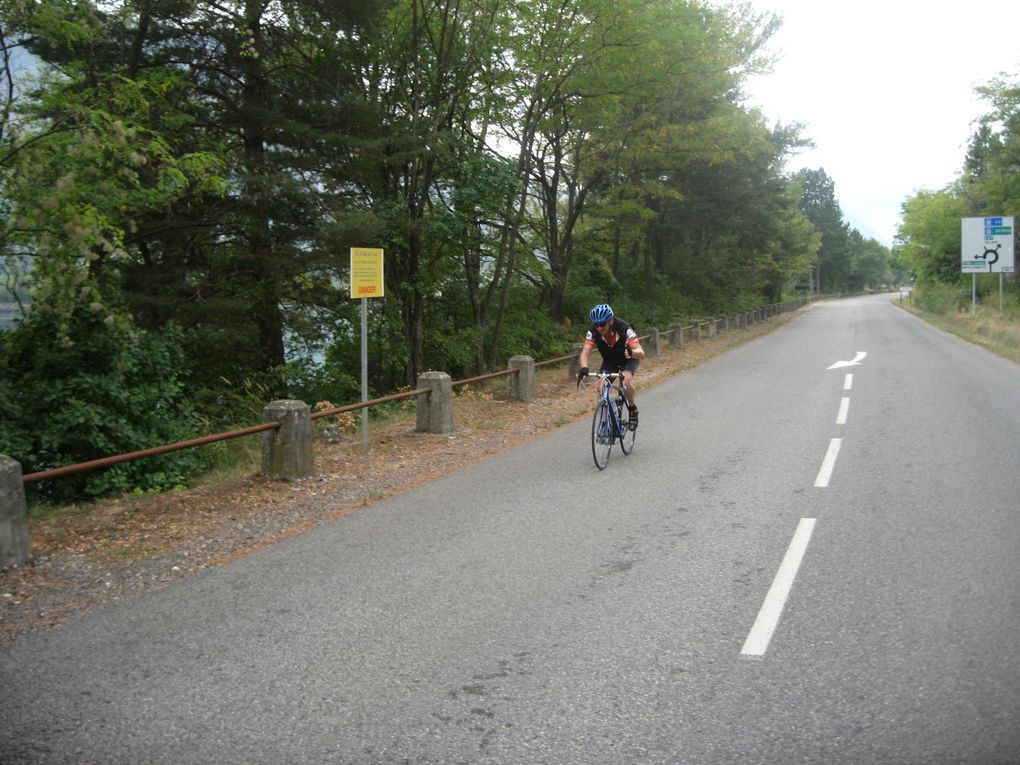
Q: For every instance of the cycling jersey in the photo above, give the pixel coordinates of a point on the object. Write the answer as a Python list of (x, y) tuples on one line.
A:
[(611, 345)]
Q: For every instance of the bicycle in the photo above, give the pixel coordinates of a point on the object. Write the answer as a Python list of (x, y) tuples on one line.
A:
[(611, 421)]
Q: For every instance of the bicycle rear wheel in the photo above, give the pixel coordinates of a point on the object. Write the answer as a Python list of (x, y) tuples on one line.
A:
[(601, 435), (627, 439)]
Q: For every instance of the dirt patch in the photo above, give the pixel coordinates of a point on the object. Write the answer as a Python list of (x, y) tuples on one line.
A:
[(86, 556)]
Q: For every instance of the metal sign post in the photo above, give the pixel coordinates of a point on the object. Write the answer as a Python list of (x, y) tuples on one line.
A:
[(366, 282)]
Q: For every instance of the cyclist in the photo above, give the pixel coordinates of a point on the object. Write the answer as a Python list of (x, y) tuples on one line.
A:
[(620, 348)]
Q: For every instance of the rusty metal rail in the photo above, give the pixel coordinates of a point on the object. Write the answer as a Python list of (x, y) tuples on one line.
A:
[(557, 360), (366, 404), (480, 378), (81, 467)]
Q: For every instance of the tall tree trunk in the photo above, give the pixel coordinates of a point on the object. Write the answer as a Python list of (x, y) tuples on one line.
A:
[(258, 261)]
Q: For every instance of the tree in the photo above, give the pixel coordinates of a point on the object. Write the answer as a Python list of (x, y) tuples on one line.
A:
[(819, 204), (990, 178), (929, 235), (869, 263)]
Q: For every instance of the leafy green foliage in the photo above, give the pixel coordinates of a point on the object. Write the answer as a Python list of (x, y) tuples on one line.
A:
[(929, 238), (208, 166), (942, 298), (92, 389)]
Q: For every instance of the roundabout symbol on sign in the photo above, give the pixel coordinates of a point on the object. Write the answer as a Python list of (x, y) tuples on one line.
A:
[(993, 252)]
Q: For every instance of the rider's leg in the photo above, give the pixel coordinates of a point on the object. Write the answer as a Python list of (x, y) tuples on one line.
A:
[(628, 387)]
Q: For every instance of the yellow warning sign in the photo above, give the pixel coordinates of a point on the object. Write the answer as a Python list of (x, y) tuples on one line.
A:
[(366, 272)]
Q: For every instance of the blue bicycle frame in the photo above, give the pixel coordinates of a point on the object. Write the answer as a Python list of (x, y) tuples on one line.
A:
[(611, 421)]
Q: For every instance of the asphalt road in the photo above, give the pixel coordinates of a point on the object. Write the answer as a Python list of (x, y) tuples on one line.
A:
[(531, 609)]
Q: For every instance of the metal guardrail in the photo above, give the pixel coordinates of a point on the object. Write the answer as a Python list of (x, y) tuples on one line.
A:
[(366, 404), (81, 467)]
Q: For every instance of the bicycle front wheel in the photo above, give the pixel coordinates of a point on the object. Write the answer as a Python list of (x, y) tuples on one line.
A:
[(601, 435)]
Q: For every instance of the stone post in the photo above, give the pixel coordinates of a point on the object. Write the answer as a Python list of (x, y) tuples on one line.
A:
[(14, 549), (652, 349), (287, 450), (522, 384), (435, 408), (676, 337), (574, 365)]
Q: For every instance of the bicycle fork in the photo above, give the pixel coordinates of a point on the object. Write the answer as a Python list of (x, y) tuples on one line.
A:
[(609, 428)]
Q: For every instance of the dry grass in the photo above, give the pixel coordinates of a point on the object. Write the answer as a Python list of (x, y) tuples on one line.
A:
[(987, 327)]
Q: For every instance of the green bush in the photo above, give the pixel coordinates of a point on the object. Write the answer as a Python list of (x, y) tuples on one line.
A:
[(312, 383), (942, 298), (94, 387)]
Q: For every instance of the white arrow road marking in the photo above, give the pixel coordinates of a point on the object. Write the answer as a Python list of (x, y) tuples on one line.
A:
[(857, 360)]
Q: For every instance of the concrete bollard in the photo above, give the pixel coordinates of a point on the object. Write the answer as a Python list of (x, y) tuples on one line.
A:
[(574, 364), (522, 384), (651, 346), (435, 408), (287, 450), (14, 549), (676, 337)]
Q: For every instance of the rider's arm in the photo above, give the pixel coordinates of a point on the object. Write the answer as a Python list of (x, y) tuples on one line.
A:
[(582, 360), (635, 350)]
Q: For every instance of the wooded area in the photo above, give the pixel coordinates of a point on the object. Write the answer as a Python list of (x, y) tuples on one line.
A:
[(183, 181), (929, 238)]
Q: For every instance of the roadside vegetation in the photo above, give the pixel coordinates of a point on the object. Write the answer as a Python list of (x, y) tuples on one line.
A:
[(182, 184), (930, 237), (950, 310)]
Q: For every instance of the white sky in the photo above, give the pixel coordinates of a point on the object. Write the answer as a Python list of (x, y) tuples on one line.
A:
[(886, 92)]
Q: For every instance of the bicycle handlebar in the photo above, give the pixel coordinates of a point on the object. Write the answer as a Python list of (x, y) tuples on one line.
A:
[(611, 376)]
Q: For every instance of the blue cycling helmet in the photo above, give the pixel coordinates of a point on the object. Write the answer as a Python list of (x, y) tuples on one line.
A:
[(600, 314)]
